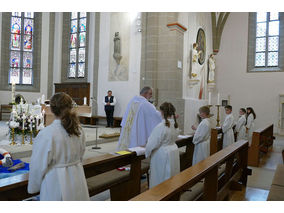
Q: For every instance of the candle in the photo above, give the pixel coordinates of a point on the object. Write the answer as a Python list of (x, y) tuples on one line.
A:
[(209, 99), (218, 99), (85, 101), (42, 99), (24, 117), (36, 122), (31, 125)]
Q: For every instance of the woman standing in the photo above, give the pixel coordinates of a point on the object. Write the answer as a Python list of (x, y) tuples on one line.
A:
[(56, 164), (162, 149), (250, 123)]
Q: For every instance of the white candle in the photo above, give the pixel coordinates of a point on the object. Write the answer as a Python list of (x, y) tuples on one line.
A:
[(218, 99), (23, 117), (209, 98), (42, 99), (85, 101), (31, 125), (36, 122)]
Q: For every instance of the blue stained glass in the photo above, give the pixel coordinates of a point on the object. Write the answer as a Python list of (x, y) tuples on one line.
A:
[(28, 45), (83, 24), (74, 26), (15, 42), (82, 39), (28, 26), (15, 59), (16, 25), (72, 71)]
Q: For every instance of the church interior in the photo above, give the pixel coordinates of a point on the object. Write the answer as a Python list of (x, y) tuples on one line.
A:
[(190, 59)]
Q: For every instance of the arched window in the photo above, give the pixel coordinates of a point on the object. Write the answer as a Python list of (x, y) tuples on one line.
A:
[(77, 46), (21, 48), (265, 44)]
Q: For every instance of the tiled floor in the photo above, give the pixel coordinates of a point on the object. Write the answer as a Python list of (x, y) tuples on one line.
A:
[(259, 182)]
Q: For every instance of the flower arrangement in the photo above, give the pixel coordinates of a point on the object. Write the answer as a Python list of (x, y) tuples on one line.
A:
[(24, 122)]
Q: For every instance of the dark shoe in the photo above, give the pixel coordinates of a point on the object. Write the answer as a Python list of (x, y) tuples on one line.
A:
[(107, 126)]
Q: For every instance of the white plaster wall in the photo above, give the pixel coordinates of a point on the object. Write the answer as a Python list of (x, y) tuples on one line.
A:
[(258, 90), (194, 21), (122, 90), (5, 96)]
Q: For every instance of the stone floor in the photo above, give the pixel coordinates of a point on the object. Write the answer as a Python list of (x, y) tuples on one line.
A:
[(259, 182)]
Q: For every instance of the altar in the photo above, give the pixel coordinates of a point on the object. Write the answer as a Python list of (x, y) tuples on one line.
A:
[(80, 110)]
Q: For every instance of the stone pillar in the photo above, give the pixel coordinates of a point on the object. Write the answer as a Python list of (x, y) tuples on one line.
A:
[(162, 48)]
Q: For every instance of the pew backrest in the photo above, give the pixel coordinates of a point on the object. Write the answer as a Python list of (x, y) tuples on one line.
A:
[(207, 169)]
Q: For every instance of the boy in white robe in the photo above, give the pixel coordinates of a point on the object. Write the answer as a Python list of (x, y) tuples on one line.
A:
[(139, 120), (227, 127), (201, 138), (241, 125), (162, 149), (56, 169), (250, 123)]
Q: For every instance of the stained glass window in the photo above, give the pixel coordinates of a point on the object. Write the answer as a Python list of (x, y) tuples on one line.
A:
[(267, 39), (77, 45), (21, 48)]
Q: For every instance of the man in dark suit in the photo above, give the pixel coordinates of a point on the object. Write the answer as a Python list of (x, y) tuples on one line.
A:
[(109, 102)]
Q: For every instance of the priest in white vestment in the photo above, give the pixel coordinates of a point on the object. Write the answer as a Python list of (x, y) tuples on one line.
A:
[(250, 123), (241, 125), (162, 149), (56, 169), (201, 138), (139, 120), (227, 127)]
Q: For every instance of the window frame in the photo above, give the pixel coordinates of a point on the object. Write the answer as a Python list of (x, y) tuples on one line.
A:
[(5, 54), (251, 68)]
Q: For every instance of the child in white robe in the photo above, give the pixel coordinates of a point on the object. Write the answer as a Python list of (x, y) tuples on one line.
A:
[(201, 138), (250, 123), (56, 169), (227, 127), (241, 125), (162, 149)]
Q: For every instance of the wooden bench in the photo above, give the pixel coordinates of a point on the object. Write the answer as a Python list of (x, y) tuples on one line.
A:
[(276, 192), (262, 140), (101, 175), (92, 120), (216, 187), (283, 155), (216, 140), (5, 109)]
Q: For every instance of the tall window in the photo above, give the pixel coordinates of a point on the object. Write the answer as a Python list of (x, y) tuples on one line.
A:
[(77, 46), (267, 39), (21, 48)]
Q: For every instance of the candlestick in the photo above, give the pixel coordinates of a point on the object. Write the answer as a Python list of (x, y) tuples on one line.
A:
[(209, 98), (23, 136), (218, 99), (42, 99), (31, 138), (13, 137), (218, 116)]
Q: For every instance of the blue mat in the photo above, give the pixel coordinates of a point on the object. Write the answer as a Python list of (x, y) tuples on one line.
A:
[(4, 173)]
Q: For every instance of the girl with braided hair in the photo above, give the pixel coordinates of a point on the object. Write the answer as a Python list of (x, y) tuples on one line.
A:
[(161, 147)]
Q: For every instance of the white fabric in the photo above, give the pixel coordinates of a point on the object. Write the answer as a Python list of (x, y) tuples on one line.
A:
[(56, 165), (250, 126), (138, 122), (241, 128), (112, 104), (227, 129), (164, 153), (201, 140)]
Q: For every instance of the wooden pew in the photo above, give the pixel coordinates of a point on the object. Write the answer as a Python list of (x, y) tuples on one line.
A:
[(216, 140), (103, 167), (101, 175), (215, 187), (276, 192), (262, 140), (283, 155)]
